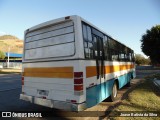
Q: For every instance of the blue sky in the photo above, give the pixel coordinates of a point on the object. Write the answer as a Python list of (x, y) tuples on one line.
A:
[(124, 20)]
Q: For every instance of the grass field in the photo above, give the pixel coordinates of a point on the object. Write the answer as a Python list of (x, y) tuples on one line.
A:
[(145, 97)]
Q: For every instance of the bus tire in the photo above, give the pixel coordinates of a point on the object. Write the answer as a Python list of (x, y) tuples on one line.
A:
[(113, 96)]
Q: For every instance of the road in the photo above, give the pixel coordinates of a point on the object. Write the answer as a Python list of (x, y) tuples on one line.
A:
[(8, 82), (10, 89)]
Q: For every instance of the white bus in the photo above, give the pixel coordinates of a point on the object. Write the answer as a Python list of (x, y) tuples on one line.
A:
[(70, 64)]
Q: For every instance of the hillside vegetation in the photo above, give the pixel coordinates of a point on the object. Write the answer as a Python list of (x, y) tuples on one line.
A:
[(4, 37), (12, 42)]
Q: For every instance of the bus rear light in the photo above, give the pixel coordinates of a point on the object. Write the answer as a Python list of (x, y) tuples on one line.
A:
[(78, 74), (78, 81), (22, 80), (78, 87), (73, 101)]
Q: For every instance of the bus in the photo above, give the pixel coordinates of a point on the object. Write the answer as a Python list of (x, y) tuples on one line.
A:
[(70, 64)]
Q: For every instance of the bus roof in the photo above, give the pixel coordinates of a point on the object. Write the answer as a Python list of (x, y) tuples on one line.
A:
[(48, 23)]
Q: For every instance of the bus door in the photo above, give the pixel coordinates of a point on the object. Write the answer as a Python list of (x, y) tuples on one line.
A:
[(100, 67)]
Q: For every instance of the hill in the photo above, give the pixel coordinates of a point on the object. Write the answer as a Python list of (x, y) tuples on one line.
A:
[(12, 42), (4, 37)]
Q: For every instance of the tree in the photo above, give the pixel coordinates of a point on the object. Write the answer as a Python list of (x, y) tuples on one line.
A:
[(2, 55), (150, 44), (141, 60)]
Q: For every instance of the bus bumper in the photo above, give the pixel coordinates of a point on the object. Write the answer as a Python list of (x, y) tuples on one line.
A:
[(54, 103)]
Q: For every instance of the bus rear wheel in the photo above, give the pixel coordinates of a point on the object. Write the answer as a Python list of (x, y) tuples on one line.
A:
[(113, 96)]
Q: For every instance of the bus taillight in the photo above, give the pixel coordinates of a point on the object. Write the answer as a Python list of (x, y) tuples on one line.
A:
[(73, 101), (78, 87), (22, 80), (78, 74), (78, 83)]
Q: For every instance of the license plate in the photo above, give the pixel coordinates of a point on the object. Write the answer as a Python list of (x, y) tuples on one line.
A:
[(43, 92)]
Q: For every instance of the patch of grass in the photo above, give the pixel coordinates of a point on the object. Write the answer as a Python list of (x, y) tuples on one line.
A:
[(145, 97)]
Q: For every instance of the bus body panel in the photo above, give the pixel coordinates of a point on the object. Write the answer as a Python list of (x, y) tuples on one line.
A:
[(99, 90), (57, 78), (52, 77), (98, 93)]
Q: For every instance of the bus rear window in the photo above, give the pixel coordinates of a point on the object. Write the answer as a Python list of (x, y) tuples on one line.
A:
[(50, 42)]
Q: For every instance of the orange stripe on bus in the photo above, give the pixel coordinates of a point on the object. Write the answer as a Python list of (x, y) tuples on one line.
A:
[(49, 69), (51, 72), (91, 71)]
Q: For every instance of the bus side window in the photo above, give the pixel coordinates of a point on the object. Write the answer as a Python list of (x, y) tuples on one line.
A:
[(106, 47), (86, 52), (89, 34), (95, 47), (84, 32), (130, 55), (91, 49), (113, 50), (88, 44), (133, 57)]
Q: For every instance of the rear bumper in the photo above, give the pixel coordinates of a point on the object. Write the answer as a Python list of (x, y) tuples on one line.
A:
[(54, 103)]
